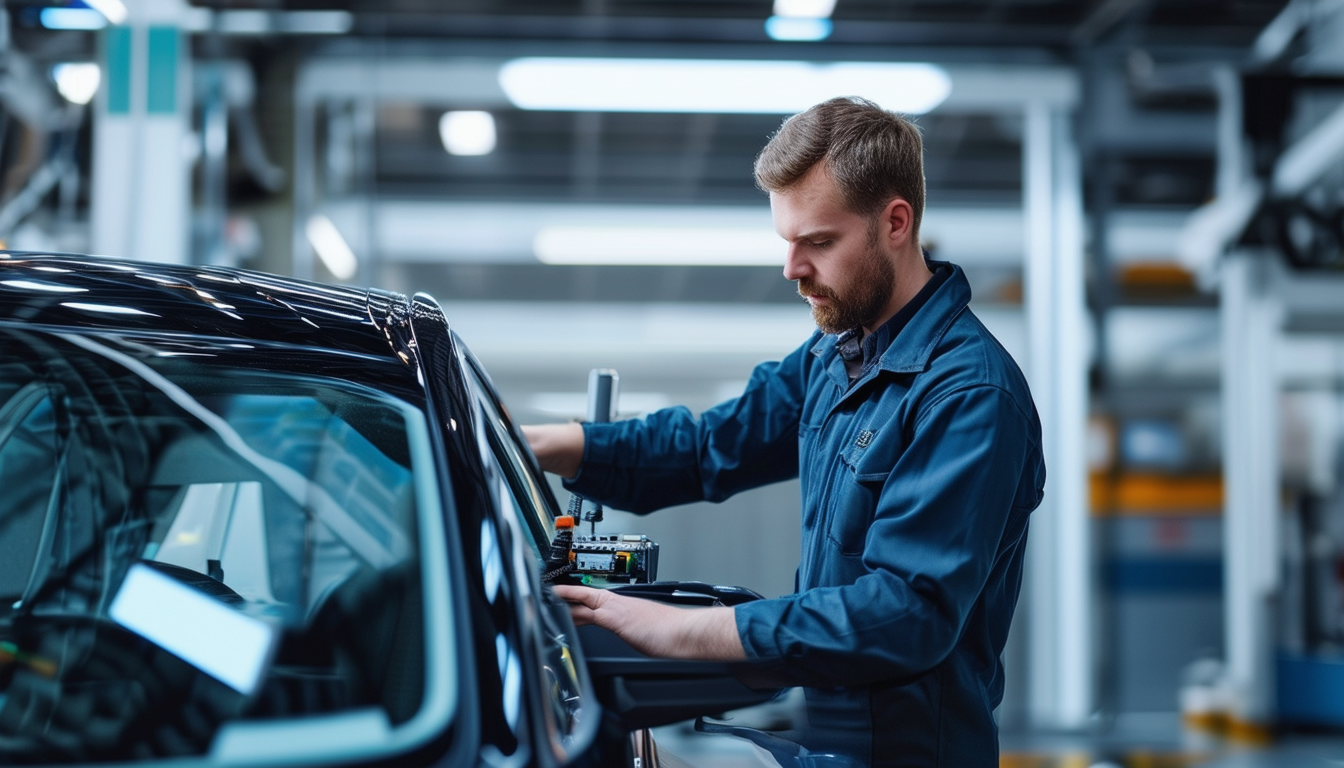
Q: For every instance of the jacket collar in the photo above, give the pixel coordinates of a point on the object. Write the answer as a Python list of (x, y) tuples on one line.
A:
[(910, 351)]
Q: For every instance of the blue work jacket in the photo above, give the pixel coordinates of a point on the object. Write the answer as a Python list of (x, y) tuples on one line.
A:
[(917, 482)]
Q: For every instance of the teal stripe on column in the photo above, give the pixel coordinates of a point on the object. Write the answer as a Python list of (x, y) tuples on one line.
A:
[(117, 64), (161, 91)]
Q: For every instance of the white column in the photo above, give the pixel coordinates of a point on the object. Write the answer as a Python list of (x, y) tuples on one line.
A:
[(1059, 584), (1251, 320), (141, 185), (303, 182)]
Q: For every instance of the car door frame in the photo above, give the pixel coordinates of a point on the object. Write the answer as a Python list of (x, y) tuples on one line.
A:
[(442, 357)]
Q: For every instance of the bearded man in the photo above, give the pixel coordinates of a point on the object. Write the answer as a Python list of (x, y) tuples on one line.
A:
[(919, 453)]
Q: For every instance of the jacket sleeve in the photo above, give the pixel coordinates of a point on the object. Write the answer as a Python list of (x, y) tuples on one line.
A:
[(671, 457), (955, 501)]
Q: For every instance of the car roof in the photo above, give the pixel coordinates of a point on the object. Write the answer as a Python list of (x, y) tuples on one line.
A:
[(242, 318), (97, 293)]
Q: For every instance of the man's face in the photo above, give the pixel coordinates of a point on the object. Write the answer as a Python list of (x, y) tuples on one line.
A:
[(834, 254)]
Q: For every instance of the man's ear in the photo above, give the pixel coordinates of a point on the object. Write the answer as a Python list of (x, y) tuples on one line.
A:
[(898, 218)]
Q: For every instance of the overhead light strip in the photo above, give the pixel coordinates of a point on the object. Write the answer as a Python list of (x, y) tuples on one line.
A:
[(707, 86), (804, 9), (655, 246), (800, 20), (72, 18), (805, 30)]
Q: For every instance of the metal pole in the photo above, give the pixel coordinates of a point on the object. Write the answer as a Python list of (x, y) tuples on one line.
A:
[(1060, 688), (1251, 317)]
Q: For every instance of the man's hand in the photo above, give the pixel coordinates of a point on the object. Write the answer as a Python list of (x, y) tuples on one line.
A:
[(558, 447), (657, 629)]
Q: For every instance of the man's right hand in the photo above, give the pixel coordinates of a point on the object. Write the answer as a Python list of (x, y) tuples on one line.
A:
[(559, 447)]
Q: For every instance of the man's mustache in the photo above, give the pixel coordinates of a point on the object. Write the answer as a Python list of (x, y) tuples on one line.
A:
[(807, 288)]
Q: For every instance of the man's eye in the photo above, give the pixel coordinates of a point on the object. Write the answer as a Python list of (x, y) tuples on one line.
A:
[(823, 244)]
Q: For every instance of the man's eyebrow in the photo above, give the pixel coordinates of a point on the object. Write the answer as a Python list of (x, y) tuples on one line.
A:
[(817, 234)]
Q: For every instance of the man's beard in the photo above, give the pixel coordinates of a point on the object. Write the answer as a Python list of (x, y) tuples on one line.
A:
[(869, 291)]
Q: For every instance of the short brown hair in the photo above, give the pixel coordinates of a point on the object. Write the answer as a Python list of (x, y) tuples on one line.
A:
[(873, 155)]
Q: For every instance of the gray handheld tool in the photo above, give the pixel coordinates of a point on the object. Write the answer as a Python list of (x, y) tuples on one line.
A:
[(603, 390)]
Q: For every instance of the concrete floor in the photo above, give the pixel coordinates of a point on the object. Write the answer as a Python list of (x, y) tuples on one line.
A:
[(1150, 741), (1167, 746)]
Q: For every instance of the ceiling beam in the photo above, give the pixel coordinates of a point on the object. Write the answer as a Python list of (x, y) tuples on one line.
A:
[(475, 80)]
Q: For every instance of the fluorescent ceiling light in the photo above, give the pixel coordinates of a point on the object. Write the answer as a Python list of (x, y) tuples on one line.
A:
[(715, 86), (804, 9), (115, 11), (77, 82), (467, 132), (807, 30), (331, 248), (651, 246), (72, 18)]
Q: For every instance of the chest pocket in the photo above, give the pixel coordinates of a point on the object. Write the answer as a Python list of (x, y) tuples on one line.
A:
[(864, 468)]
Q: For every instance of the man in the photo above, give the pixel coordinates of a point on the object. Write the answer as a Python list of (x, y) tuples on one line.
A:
[(918, 449)]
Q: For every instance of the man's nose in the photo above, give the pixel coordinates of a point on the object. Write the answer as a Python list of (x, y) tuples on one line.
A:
[(796, 266)]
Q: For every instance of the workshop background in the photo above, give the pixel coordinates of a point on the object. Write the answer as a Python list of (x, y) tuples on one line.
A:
[(1147, 197)]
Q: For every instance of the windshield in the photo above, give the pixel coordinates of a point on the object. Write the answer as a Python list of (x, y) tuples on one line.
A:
[(191, 552)]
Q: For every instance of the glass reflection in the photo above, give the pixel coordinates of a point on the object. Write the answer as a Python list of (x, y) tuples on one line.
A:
[(288, 499), (107, 309), (510, 675), (492, 567), (35, 285)]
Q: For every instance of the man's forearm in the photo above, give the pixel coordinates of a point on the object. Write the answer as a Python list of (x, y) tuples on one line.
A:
[(558, 447), (706, 633), (655, 628)]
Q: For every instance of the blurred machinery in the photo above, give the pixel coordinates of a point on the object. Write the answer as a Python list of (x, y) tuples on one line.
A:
[(1273, 243)]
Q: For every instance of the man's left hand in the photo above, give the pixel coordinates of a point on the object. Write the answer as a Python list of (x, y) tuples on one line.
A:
[(657, 629)]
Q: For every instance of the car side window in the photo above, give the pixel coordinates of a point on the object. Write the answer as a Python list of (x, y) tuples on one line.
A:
[(525, 510), (535, 507), (29, 457)]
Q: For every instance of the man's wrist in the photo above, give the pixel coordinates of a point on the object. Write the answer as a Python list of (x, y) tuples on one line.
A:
[(711, 633)]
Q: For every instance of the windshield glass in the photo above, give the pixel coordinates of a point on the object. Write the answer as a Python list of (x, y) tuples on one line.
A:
[(193, 551)]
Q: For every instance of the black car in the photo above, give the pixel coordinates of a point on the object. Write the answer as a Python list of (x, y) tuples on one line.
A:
[(248, 519)]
